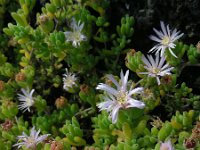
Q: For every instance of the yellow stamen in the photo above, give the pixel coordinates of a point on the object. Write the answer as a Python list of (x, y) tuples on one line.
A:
[(155, 70), (76, 35), (30, 140), (121, 97), (165, 41), (29, 102)]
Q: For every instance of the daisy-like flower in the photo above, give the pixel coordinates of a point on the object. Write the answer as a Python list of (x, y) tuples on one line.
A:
[(32, 140), (69, 80), (156, 68), (75, 36), (166, 146), (165, 39), (26, 100), (120, 98)]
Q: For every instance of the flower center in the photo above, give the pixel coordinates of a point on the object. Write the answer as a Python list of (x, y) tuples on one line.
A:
[(121, 97), (165, 41), (155, 70), (69, 81), (76, 36), (29, 101), (30, 140)]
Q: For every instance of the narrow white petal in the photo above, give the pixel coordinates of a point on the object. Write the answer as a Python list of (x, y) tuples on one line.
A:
[(149, 68), (160, 34), (135, 103), (42, 138), (136, 91), (153, 64), (161, 49), (168, 31), (163, 28), (177, 37), (31, 93), (162, 52), (107, 88), (153, 49), (154, 38), (110, 77), (172, 53), (122, 75), (165, 66), (166, 72), (158, 80), (146, 61), (162, 60), (124, 81), (157, 59), (114, 113), (174, 33), (81, 27), (36, 134), (105, 105)]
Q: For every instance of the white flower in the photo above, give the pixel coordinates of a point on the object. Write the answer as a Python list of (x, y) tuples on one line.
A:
[(32, 140), (166, 146), (120, 97), (26, 100), (165, 39), (75, 36), (156, 68), (69, 80)]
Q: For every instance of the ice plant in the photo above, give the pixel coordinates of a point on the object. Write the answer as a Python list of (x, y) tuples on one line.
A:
[(166, 39), (75, 36), (69, 80), (166, 146), (31, 141), (119, 98), (26, 100), (156, 67)]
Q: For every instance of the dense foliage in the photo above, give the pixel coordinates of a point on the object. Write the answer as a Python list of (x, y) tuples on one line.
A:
[(73, 76)]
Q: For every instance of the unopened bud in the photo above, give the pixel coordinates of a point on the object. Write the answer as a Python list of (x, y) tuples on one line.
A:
[(60, 102), (84, 88), (56, 145), (20, 76), (7, 125)]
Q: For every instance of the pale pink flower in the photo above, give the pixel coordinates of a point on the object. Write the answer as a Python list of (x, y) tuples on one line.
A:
[(156, 67), (119, 98), (166, 39)]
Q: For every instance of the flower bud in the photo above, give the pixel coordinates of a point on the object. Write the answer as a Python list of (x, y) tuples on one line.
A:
[(20, 77), (60, 102)]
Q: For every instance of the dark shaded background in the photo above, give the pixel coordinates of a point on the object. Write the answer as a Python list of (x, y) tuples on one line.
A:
[(181, 14)]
